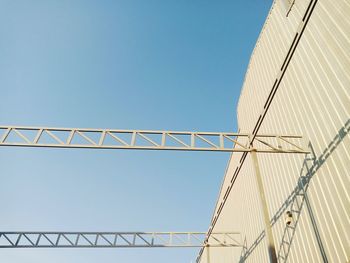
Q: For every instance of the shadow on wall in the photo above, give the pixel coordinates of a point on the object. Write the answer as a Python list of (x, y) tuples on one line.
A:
[(296, 200)]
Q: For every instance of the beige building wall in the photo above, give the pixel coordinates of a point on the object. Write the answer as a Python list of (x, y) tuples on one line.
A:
[(312, 99)]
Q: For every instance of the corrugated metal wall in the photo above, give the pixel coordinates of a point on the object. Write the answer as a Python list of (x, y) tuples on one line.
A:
[(313, 99)]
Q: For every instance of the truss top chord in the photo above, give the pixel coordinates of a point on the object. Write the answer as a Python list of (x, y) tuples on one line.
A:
[(148, 140)]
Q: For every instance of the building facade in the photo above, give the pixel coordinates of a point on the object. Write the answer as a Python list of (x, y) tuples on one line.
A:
[(297, 82)]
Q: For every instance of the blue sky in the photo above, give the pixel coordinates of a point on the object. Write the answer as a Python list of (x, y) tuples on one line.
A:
[(131, 64)]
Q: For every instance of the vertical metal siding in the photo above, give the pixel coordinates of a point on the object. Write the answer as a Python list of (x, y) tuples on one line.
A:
[(313, 100)]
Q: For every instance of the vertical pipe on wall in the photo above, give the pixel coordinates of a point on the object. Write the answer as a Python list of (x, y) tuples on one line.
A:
[(208, 254), (268, 230)]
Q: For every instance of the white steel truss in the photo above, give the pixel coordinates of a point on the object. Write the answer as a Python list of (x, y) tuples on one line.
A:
[(116, 239), (148, 140)]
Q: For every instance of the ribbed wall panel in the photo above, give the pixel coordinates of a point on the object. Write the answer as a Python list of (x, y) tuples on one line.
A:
[(313, 99), (267, 59)]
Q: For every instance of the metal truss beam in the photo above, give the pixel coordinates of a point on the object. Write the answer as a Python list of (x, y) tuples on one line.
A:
[(148, 140), (116, 239)]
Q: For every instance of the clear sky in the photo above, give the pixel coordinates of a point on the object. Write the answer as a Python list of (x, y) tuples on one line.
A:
[(123, 64)]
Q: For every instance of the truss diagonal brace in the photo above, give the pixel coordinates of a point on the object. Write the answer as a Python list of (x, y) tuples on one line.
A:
[(147, 140), (116, 239)]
